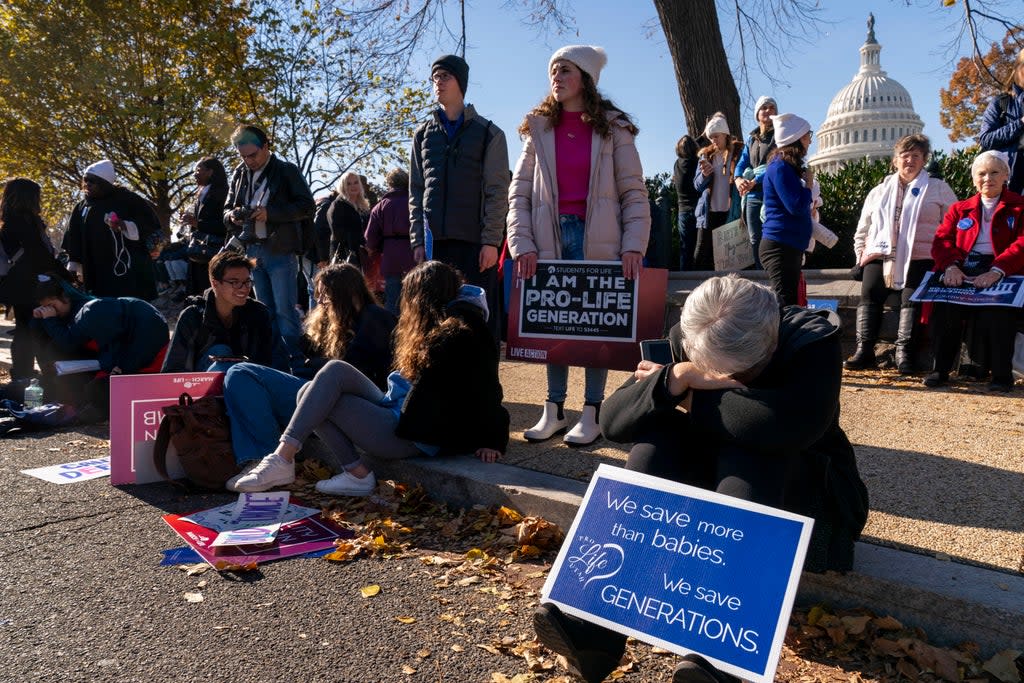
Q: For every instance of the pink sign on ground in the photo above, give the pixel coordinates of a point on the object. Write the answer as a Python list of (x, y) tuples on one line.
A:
[(295, 538), (135, 416)]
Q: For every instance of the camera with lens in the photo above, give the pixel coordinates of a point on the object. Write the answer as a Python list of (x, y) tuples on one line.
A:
[(248, 233)]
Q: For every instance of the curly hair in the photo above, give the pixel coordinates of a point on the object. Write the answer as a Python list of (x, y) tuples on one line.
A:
[(426, 290), (343, 294), (595, 108)]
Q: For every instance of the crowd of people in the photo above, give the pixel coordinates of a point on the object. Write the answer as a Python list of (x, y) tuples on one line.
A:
[(395, 352)]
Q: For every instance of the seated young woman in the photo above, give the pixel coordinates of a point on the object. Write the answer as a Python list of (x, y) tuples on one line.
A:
[(444, 396), (347, 325), (125, 335)]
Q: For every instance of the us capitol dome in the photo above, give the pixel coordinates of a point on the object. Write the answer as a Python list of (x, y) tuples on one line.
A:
[(866, 117)]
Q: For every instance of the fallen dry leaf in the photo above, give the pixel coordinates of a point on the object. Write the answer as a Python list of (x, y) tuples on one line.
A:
[(423, 654), (1003, 666), (490, 648), (194, 597), (406, 620), (408, 670), (369, 591), (458, 648)]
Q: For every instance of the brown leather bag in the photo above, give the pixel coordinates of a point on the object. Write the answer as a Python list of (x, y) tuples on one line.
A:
[(201, 433)]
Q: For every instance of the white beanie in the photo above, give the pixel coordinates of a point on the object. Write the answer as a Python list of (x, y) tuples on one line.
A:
[(102, 169), (789, 128), (589, 58), (717, 124), (763, 100), (1001, 158)]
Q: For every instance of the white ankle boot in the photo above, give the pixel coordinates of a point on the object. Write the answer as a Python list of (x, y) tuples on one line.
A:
[(587, 430), (551, 422)]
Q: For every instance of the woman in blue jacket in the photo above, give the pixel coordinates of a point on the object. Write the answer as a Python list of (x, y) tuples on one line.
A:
[(787, 206)]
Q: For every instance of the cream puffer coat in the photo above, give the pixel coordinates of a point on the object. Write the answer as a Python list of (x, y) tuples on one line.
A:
[(618, 214)]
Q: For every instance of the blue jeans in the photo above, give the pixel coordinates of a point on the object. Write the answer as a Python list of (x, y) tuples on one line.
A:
[(309, 271), (392, 292), (687, 239), (276, 280), (752, 215), (573, 230), (260, 402)]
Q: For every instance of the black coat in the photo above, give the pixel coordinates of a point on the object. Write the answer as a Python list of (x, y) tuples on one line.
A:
[(792, 407), (455, 403), (289, 204), (252, 335), (90, 242), (209, 211), (369, 350), (19, 232), (346, 231)]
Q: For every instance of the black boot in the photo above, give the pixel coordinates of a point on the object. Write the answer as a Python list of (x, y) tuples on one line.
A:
[(869, 319), (905, 340)]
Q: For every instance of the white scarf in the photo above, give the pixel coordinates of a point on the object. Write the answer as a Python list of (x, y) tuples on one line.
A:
[(879, 241)]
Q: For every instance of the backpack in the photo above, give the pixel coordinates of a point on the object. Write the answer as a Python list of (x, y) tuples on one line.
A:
[(201, 433), (7, 262)]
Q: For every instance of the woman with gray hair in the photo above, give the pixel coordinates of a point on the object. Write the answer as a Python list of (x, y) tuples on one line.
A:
[(751, 410), (980, 241)]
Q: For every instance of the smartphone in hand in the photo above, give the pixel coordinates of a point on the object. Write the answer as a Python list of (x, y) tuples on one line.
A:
[(656, 350)]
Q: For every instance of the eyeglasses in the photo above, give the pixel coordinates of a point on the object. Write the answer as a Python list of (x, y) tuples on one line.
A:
[(238, 284), (441, 77)]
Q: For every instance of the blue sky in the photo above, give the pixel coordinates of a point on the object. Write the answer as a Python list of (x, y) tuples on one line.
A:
[(508, 64)]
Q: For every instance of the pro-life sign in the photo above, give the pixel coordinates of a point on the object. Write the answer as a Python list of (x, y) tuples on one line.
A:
[(683, 568), (585, 313)]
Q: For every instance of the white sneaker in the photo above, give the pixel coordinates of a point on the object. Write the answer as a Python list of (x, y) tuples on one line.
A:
[(549, 423), (347, 484), (271, 471), (587, 430), (232, 483)]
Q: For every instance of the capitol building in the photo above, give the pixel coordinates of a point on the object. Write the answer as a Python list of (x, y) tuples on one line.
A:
[(866, 117)]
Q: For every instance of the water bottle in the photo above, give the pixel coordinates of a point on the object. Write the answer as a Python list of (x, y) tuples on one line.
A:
[(33, 395)]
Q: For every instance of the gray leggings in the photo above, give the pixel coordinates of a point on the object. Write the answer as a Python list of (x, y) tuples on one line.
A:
[(343, 407)]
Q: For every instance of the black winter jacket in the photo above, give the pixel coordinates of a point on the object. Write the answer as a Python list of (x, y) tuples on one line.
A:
[(370, 349), (199, 327), (289, 204), (455, 403), (19, 287), (791, 407)]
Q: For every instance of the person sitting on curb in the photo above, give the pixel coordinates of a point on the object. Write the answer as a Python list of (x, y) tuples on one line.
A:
[(125, 335), (347, 325), (225, 322), (444, 397), (754, 414)]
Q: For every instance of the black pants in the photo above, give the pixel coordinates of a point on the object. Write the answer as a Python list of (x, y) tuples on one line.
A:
[(23, 344), (704, 257), (466, 257), (873, 289), (782, 263), (995, 329)]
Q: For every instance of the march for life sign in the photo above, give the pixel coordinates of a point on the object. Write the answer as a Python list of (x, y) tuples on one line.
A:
[(135, 416), (585, 313), (682, 568), (1007, 292), (730, 244)]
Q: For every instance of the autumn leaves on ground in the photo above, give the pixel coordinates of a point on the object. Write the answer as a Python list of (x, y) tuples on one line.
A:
[(503, 558)]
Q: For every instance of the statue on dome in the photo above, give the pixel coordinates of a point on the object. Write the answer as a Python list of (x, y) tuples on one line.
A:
[(871, 28)]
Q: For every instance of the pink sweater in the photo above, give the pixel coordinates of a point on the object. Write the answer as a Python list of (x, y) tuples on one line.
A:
[(572, 163)]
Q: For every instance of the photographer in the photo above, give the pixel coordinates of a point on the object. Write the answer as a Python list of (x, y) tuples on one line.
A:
[(268, 204), (225, 322)]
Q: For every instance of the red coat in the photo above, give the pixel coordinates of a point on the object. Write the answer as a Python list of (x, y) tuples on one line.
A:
[(960, 227)]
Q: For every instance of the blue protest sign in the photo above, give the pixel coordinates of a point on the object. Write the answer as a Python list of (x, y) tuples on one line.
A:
[(827, 304), (1009, 291), (683, 568)]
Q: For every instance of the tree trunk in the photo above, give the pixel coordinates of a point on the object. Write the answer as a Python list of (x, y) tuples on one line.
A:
[(705, 82)]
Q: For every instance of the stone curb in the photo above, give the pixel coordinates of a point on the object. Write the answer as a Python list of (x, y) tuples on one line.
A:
[(952, 602)]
